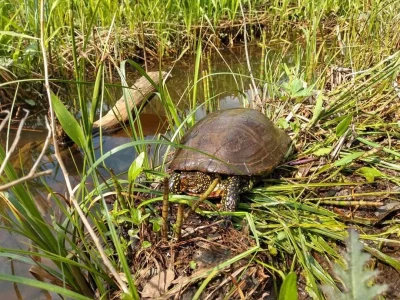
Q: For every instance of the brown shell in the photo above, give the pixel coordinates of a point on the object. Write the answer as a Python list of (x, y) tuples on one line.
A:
[(240, 141)]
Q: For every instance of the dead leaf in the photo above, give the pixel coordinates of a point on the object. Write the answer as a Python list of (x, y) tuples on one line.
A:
[(158, 284)]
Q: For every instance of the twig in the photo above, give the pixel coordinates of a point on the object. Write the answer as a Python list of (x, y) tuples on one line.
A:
[(165, 208), (86, 223), (23, 179), (32, 171), (179, 221), (14, 144), (202, 198), (3, 123)]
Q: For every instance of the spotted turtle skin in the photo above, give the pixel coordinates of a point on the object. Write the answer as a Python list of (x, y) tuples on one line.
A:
[(238, 145)]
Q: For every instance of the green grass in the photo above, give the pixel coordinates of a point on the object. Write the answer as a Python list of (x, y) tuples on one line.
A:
[(345, 121), (169, 28)]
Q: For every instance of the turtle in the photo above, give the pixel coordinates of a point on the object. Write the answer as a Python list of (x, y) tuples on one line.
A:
[(238, 145)]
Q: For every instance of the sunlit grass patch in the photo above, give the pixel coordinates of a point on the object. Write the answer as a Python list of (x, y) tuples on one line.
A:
[(326, 75)]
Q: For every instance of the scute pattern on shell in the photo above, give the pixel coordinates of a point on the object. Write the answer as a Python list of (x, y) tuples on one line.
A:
[(240, 141)]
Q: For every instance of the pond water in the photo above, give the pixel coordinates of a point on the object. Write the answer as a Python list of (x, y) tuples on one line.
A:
[(225, 87)]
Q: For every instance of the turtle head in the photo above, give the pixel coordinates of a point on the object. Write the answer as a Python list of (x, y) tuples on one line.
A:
[(189, 182)]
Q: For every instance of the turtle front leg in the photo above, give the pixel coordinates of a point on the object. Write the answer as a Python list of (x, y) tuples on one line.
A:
[(175, 183), (231, 195)]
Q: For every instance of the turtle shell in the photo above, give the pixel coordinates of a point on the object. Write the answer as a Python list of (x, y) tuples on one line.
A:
[(238, 141)]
